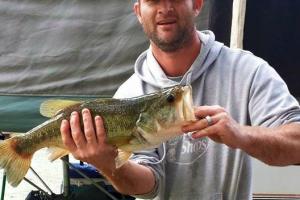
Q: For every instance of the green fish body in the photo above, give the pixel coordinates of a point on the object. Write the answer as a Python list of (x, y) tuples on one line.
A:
[(131, 124)]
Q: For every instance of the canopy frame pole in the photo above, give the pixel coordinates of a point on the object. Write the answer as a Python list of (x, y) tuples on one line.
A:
[(238, 23)]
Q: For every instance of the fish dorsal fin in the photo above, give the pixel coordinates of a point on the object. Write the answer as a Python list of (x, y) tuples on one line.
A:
[(56, 152), (50, 107), (122, 158)]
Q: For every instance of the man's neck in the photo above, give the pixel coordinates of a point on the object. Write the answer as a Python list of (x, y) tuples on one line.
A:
[(178, 62)]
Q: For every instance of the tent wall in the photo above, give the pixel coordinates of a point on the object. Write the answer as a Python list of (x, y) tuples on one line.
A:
[(67, 47)]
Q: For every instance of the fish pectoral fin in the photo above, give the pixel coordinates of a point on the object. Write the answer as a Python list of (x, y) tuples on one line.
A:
[(122, 158), (51, 107), (56, 152)]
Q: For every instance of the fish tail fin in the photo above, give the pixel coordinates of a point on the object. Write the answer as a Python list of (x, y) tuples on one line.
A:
[(14, 164)]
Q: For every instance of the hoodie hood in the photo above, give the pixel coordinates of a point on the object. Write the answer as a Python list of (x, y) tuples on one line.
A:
[(148, 69)]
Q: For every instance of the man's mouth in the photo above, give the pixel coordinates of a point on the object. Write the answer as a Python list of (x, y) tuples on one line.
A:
[(166, 22)]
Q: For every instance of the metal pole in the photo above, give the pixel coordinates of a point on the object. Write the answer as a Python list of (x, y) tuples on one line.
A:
[(92, 181), (34, 185), (66, 177), (3, 185), (43, 182)]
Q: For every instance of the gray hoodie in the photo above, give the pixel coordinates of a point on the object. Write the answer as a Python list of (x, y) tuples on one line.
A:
[(251, 92)]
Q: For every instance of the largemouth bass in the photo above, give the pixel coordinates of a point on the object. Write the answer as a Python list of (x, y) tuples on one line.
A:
[(131, 124)]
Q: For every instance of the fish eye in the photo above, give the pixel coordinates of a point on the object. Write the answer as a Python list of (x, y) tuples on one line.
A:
[(170, 98)]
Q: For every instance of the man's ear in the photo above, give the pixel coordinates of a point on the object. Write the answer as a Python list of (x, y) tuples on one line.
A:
[(197, 6), (137, 11)]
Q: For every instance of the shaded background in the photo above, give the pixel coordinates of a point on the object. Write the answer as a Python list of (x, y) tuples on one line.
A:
[(272, 30)]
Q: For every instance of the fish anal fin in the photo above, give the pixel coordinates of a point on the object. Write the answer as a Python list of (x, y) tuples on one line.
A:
[(50, 108), (56, 152), (14, 164), (122, 158)]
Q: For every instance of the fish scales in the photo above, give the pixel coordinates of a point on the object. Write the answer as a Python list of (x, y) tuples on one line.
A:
[(45, 135)]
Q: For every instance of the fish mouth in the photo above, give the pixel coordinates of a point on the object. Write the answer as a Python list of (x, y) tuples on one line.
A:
[(186, 108)]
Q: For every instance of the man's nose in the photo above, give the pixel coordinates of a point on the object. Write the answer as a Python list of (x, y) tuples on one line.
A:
[(166, 7)]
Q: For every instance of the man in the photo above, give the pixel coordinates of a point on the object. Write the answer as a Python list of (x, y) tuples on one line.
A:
[(237, 96)]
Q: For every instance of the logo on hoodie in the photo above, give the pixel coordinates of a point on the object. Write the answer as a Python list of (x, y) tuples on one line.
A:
[(185, 150)]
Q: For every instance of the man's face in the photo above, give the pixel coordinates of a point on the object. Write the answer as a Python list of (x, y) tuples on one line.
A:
[(169, 24)]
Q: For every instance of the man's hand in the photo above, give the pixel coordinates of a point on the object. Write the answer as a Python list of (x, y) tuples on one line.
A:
[(88, 145), (222, 128), (274, 146)]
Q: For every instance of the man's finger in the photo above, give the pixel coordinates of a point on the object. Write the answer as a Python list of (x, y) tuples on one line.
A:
[(66, 135), (88, 125), (209, 131), (76, 132), (100, 130), (200, 124), (203, 111)]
